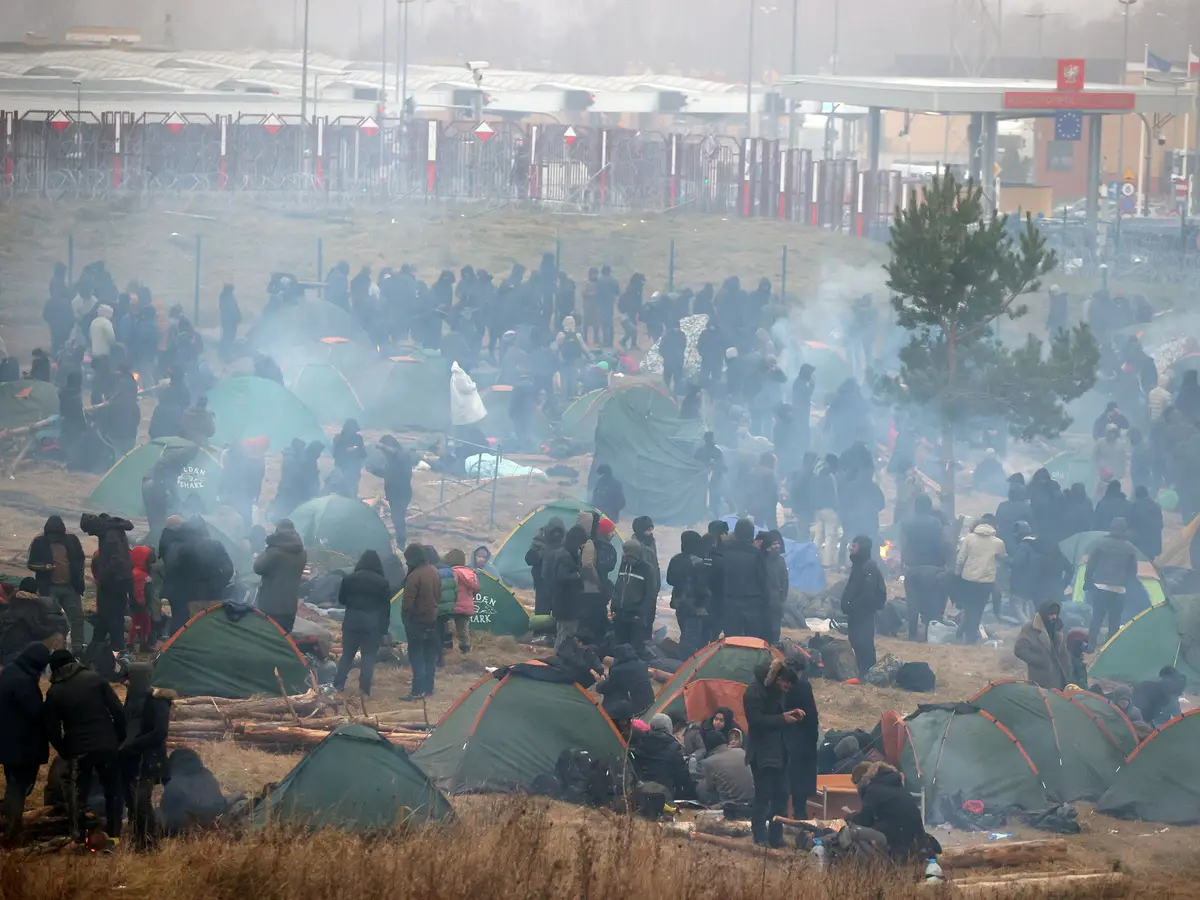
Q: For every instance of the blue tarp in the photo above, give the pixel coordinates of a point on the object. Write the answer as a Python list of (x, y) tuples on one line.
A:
[(805, 572)]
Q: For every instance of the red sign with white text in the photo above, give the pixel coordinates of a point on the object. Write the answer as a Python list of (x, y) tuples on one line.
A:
[(1116, 101), (1070, 74)]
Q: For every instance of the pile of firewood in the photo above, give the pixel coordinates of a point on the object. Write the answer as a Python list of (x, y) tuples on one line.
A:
[(277, 723)]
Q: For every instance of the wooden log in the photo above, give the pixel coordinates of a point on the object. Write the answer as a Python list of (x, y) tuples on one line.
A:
[(742, 846), (1016, 853), (1023, 887)]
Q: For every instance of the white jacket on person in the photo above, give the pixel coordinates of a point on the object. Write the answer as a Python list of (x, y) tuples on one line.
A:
[(977, 555)]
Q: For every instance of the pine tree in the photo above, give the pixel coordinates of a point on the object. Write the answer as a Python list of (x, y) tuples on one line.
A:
[(954, 271)]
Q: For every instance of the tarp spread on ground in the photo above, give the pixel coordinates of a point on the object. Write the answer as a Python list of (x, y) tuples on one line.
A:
[(497, 611), (1160, 781), (729, 659), (960, 753), (26, 402), (120, 490), (662, 478), (579, 420), (412, 393), (1165, 635), (805, 572), (507, 733), (1073, 751), (343, 525), (509, 562), (327, 392), (354, 780), (248, 406), (230, 651), (488, 465)]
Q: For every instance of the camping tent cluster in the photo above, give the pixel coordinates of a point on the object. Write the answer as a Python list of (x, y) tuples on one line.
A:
[(497, 611), (509, 565), (715, 676)]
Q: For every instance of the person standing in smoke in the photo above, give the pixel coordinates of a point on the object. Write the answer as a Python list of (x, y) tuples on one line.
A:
[(231, 316), (864, 595), (397, 483), (673, 347), (349, 452)]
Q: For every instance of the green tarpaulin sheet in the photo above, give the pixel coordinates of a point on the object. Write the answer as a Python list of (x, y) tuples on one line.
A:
[(346, 526), (661, 477), (248, 406)]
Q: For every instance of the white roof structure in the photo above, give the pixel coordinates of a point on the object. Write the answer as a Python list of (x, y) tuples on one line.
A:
[(960, 96), (260, 82)]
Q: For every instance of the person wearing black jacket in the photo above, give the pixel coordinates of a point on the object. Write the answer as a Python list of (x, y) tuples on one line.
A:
[(777, 585), (628, 681), (144, 753), (57, 560), (548, 539), (397, 483), (635, 595), (714, 565), (800, 738), (689, 592), (563, 573), (923, 552), (1146, 523), (745, 584), (658, 758), (23, 746), (888, 807), (28, 618), (864, 595), (113, 570), (367, 598), (86, 726), (608, 495), (767, 718)]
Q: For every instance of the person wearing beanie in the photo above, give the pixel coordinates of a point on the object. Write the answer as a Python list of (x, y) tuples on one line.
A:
[(690, 592), (86, 725), (714, 565), (23, 746), (658, 759), (1111, 570), (745, 584)]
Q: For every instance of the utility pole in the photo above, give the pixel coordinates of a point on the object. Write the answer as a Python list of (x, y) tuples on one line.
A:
[(1121, 137), (750, 75), (837, 35), (402, 72), (304, 72), (794, 66)]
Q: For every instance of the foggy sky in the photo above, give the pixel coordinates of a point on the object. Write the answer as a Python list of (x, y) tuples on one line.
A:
[(699, 37)]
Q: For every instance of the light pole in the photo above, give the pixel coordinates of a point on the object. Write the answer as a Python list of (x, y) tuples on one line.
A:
[(402, 71), (837, 34), (794, 67), (1121, 137), (304, 72)]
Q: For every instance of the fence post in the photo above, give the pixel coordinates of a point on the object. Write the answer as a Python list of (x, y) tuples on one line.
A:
[(783, 278), (671, 268), (495, 483), (196, 293), (70, 259), (320, 259)]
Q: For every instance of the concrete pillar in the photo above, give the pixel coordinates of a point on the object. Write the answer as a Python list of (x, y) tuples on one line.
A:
[(974, 131), (874, 137), (987, 157), (1095, 125)]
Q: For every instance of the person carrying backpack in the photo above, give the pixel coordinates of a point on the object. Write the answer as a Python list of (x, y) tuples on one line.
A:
[(864, 595)]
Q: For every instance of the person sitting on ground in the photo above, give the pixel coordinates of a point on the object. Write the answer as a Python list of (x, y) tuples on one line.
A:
[(724, 775), (888, 810), (628, 680), (693, 735), (1158, 698), (191, 798), (1041, 647), (1122, 697), (658, 759)]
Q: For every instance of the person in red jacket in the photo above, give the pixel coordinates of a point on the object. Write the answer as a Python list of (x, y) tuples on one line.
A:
[(141, 622)]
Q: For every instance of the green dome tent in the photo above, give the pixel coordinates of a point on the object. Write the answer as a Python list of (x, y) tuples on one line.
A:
[(307, 320), (411, 393), (1071, 467), (1110, 717), (507, 732), (1159, 781), (351, 358), (354, 780), (661, 476), (958, 753), (1078, 547), (579, 420), (729, 659), (1160, 636), (497, 611), (120, 490), (508, 565), (1074, 753), (326, 391), (346, 526), (233, 652), (248, 406), (497, 400), (26, 402)]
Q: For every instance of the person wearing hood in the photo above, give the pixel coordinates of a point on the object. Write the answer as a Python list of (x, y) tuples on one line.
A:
[(864, 595), (1146, 523), (396, 473), (57, 560), (627, 681), (571, 351), (101, 333), (27, 618), (23, 745), (281, 568), (745, 588), (761, 492), (635, 595), (976, 566), (1111, 568), (608, 495), (1011, 511), (690, 593), (658, 759), (196, 569), (419, 612), (1077, 511), (1039, 570), (198, 424), (923, 552), (1112, 415), (466, 406), (349, 452), (112, 568), (1113, 505), (143, 754), (777, 584), (86, 726), (767, 718), (466, 587), (1158, 698), (541, 549), (888, 809), (562, 575), (191, 797), (143, 601), (366, 596), (242, 474), (1043, 649)]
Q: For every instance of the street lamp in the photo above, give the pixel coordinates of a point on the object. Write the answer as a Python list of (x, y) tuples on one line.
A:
[(1121, 137), (750, 75), (402, 71), (837, 34)]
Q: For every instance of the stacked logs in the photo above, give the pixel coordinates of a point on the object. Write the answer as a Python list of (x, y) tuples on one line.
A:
[(275, 723)]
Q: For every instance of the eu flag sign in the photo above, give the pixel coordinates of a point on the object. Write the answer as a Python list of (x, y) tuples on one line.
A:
[(1068, 125)]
